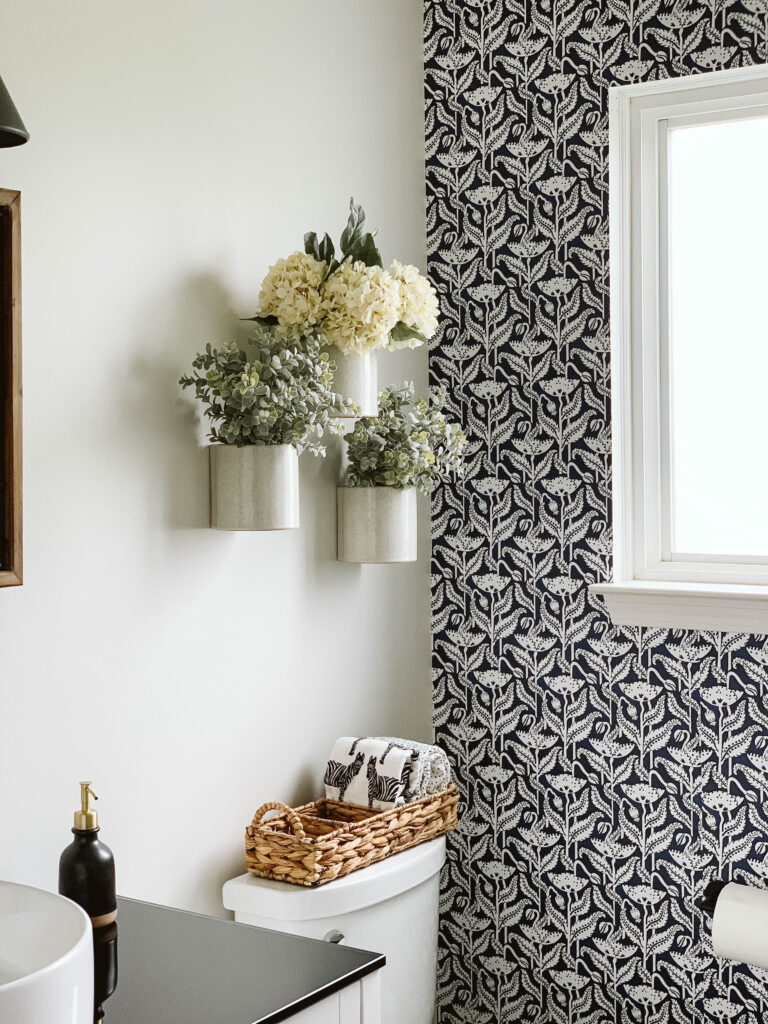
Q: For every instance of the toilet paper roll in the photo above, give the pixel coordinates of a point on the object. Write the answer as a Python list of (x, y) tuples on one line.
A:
[(740, 924)]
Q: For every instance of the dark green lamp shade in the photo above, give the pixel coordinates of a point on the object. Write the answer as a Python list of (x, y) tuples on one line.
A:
[(12, 130)]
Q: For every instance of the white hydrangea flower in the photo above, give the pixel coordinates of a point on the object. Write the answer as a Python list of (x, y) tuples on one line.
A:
[(291, 290), (419, 307), (361, 305)]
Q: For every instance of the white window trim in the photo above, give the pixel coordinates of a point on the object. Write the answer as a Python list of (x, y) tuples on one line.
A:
[(650, 586)]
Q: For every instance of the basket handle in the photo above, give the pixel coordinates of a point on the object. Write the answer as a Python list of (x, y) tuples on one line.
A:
[(293, 818)]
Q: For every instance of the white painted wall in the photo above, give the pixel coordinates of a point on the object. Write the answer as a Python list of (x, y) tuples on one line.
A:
[(177, 149)]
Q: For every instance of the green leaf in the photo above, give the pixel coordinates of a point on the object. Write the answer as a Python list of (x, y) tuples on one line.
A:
[(326, 250), (264, 321), (402, 332), (310, 244), (356, 242), (365, 250), (353, 232)]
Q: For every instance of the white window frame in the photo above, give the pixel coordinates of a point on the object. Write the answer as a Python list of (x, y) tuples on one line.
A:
[(651, 587)]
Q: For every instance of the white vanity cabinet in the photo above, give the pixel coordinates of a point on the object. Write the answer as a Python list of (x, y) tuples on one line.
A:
[(182, 968), (358, 1003)]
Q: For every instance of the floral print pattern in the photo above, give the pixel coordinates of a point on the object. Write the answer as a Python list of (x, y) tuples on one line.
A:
[(606, 774)]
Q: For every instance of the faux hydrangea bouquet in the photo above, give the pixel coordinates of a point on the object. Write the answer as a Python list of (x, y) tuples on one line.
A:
[(409, 444), (352, 300), (280, 392)]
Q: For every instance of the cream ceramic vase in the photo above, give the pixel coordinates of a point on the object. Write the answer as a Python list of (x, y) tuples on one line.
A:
[(355, 379), (255, 487), (376, 524)]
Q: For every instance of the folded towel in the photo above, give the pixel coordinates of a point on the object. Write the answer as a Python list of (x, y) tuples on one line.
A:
[(384, 771), (430, 769), (356, 772)]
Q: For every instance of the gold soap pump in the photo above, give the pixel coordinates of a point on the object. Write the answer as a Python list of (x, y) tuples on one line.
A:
[(86, 819)]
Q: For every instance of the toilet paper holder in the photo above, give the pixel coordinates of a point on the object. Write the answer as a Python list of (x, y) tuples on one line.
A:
[(708, 901), (739, 915)]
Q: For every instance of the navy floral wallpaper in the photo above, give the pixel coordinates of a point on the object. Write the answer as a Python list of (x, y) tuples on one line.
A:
[(606, 774)]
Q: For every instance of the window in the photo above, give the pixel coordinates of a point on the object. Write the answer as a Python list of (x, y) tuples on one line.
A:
[(689, 281)]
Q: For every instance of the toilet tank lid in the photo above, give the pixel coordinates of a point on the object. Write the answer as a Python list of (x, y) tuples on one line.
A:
[(282, 901)]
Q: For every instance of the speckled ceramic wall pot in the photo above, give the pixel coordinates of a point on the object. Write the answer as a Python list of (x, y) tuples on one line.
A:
[(377, 524), (255, 487)]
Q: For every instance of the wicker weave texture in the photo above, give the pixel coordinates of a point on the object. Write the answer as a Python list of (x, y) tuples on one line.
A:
[(327, 839)]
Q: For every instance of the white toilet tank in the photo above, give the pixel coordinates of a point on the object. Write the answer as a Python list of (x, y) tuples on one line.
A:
[(390, 908)]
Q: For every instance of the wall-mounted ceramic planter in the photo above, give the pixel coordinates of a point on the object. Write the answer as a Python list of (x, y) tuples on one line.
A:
[(376, 524), (255, 487), (355, 379)]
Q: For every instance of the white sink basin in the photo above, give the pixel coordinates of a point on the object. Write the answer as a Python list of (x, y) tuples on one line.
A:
[(46, 958)]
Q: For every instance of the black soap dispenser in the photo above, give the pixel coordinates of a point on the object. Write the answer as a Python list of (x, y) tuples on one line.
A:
[(87, 876)]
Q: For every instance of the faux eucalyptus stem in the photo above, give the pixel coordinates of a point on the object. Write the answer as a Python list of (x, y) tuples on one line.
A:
[(277, 390), (409, 443)]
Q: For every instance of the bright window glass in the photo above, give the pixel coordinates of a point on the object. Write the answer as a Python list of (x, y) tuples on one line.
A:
[(718, 335)]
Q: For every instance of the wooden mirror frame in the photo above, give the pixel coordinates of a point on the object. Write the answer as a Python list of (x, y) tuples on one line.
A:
[(10, 388)]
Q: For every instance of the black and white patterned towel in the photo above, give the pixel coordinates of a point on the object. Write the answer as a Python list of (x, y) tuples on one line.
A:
[(430, 768), (383, 771)]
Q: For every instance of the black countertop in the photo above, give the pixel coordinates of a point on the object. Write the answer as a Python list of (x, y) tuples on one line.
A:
[(183, 968)]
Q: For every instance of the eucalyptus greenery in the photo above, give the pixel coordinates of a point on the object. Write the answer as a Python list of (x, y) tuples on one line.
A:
[(408, 444), (279, 391)]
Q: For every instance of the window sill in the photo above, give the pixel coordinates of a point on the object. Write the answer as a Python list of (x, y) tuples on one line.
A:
[(730, 608)]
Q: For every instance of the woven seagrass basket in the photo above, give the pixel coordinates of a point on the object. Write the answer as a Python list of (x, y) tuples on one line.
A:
[(318, 842)]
